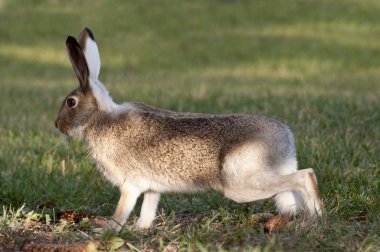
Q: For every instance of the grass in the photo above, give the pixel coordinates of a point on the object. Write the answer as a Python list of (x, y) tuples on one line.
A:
[(312, 64)]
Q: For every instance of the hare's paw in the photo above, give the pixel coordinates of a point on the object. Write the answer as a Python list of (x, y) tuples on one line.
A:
[(143, 223)]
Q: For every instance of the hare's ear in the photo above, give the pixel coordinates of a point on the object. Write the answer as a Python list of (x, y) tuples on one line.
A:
[(88, 45), (78, 61)]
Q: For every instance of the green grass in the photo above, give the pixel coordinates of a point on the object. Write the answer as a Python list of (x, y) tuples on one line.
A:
[(312, 64)]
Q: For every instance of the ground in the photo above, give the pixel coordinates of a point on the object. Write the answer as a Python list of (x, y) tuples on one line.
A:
[(314, 65)]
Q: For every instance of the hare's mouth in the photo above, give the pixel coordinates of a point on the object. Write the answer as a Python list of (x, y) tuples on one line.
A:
[(62, 126), (69, 130)]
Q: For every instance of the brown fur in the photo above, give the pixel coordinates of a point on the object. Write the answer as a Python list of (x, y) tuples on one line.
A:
[(313, 180), (186, 147)]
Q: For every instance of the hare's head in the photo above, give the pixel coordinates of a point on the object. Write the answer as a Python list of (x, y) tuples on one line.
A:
[(91, 96)]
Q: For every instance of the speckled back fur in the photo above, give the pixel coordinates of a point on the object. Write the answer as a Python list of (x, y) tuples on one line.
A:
[(184, 147)]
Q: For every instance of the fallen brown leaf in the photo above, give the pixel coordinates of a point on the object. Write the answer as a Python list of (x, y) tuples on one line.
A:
[(276, 223)]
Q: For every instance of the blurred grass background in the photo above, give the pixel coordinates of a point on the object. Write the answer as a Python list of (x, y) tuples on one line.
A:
[(312, 64)]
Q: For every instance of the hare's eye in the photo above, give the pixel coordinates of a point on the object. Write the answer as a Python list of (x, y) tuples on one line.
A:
[(71, 102)]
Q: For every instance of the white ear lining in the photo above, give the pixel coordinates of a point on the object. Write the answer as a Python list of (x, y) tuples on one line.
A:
[(92, 57), (100, 92)]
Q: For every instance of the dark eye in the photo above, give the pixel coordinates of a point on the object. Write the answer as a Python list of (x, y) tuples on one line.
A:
[(71, 102)]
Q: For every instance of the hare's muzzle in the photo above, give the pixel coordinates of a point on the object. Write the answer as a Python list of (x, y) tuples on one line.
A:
[(61, 125)]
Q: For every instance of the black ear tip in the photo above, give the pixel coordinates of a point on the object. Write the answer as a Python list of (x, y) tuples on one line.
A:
[(89, 32), (71, 40)]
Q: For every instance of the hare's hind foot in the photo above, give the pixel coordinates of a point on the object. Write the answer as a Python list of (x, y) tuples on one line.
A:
[(290, 190), (313, 202), (304, 195)]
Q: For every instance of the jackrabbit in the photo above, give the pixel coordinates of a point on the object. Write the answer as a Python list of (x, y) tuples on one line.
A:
[(143, 149)]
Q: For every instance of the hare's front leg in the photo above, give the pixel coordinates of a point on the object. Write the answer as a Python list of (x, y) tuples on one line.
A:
[(127, 202), (148, 209)]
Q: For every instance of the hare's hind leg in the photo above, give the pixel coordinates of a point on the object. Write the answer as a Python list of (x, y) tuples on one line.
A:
[(148, 209), (263, 186), (312, 200), (288, 203)]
